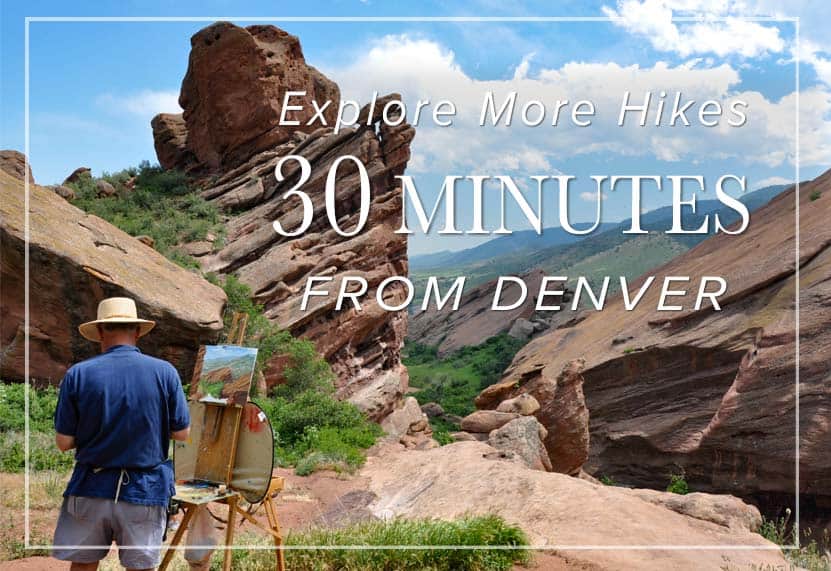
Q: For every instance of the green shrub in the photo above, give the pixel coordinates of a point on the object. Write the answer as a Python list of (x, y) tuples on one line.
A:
[(161, 205), (777, 531), (43, 453), (42, 404), (607, 480), (810, 555), (678, 485), (815, 195), (313, 430), (454, 380), (306, 369)]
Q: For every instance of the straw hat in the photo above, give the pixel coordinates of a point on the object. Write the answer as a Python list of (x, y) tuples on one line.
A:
[(115, 310)]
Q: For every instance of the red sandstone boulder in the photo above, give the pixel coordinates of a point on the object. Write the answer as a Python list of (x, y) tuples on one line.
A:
[(14, 163), (233, 94), (78, 174), (75, 260), (561, 409)]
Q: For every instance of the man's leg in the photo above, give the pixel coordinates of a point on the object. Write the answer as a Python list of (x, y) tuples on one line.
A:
[(83, 534), (138, 533)]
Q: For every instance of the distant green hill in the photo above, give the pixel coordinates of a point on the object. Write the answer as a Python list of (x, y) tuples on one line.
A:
[(608, 252), (519, 242)]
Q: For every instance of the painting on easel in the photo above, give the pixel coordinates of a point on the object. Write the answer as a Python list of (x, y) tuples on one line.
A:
[(223, 374)]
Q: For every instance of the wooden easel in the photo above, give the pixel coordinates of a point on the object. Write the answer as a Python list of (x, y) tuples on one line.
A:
[(231, 498)]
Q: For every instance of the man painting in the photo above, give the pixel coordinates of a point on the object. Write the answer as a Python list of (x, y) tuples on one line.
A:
[(118, 411)]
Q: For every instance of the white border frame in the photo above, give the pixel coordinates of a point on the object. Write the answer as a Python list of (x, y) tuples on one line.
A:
[(437, 19)]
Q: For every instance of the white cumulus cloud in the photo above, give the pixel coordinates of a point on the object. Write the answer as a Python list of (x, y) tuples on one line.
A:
[(420, 68), (723, 34), (144, 103)]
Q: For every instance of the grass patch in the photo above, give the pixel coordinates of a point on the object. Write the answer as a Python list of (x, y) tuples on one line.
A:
[(454, 380), (810, 555), (468, 531), (814, 195), (13, 546), (161, 204)]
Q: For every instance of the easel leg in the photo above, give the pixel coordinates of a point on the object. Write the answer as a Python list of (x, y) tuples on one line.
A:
[(271, 513), (229, 532), (177, 537)]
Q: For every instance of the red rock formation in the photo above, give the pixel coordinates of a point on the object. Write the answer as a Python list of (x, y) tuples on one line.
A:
[(233, 95), (14, 163), (229, 130), (75, 260), (710, 393)]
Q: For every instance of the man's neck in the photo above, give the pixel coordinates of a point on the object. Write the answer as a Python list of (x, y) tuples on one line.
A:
[(115, 342)]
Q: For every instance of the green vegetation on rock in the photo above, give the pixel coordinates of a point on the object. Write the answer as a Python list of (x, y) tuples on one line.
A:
[(678, 484), (454, 380), (810, 555), (153, 202)]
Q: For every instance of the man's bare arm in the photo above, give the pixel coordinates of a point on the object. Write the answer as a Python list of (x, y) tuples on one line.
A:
[(181, 435), (64, 442)]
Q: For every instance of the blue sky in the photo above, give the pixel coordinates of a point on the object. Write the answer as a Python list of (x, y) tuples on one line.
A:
[(95, 86)]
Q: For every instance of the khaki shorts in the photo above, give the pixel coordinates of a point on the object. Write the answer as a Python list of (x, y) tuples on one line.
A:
[(88, 526)]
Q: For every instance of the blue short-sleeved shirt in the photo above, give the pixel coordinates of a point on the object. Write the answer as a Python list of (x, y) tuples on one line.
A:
[(121, 407)]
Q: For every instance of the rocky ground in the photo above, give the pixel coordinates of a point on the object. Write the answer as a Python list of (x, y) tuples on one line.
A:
[(563, 516)]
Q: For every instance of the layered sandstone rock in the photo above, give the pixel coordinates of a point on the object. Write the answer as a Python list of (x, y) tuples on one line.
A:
[(233, 94), (558, 512), (75, 260), (560, 407), (14, 163), (705, 393), (229, 137)]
